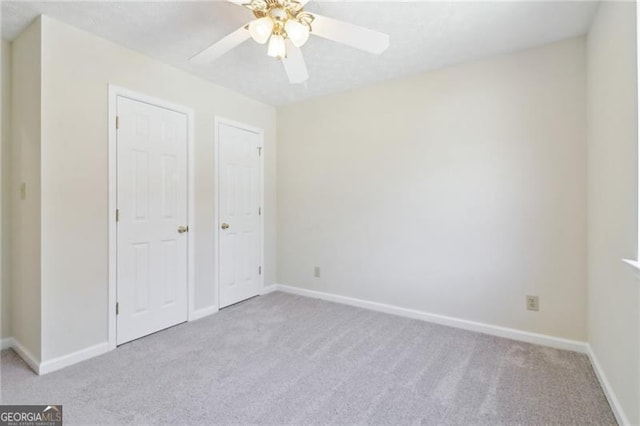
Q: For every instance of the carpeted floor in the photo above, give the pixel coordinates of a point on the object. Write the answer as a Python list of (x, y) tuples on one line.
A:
[(287, 359)]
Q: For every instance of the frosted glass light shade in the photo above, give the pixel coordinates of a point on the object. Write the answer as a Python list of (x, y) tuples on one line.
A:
[(277, 47), (296, 32), (261, 29)]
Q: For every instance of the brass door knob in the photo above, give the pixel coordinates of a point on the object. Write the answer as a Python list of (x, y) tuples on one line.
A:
[(182, 229), (224, 226)]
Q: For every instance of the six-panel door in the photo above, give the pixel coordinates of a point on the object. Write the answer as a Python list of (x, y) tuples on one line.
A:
[(152, 205), (239, 226)]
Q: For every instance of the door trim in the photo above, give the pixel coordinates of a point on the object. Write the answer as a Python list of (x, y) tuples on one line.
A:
[(114, 92), (217, 120)]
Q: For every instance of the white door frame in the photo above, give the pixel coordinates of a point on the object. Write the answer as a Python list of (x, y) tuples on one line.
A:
[(114, 92), (216, 188)]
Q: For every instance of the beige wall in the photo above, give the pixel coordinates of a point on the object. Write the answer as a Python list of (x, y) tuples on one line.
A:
[(77, 68), (456, 192), (5, 177), (25, 155), (614, 292)]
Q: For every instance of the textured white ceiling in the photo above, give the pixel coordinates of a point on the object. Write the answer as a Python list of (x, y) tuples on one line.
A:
[(424, 36)]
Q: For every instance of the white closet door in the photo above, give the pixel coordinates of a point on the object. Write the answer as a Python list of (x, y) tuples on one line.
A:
[(152, 210), (240, 225)]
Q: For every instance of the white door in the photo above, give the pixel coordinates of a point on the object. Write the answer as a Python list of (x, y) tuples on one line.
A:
[(240, 232), (152, 211)]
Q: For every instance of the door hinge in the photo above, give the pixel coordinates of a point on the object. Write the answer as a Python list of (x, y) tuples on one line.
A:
[(259, 270), (117, 308), (259, 211), (117, 122), (259, 151), (117, 215)]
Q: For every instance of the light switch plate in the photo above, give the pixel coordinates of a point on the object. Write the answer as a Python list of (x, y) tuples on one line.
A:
[(533, 303)]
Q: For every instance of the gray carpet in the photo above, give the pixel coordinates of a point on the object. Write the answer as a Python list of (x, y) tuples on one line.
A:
[(286, 359)]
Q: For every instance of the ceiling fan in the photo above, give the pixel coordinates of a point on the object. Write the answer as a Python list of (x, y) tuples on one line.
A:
[(287, 26)]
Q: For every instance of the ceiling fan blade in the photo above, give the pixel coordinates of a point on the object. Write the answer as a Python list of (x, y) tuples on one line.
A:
[(294, 64), (349, 34), (221, 47)]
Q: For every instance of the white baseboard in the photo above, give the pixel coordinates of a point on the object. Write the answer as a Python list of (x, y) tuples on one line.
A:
[(28, 357), (269, 289), (494, 330), (73, 358), (6, 343), (509, 333), (204, 312), (78, 356), (618, 412)]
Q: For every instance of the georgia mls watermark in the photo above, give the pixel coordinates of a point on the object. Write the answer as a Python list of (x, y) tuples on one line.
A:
[(30, 415)]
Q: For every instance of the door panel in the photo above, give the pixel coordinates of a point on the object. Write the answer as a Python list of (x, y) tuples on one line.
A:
[(140, 277), (239, 198), (152, 203)]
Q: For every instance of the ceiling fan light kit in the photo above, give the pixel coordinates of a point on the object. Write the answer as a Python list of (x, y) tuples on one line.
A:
[(277, 47), (261, 29), (287, 27), (277, 20), (296, 32)]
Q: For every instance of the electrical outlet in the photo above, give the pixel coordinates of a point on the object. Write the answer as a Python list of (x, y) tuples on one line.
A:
[(316, 271), (532, 303)]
